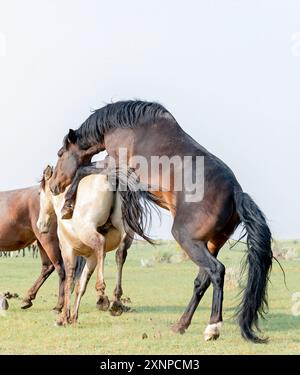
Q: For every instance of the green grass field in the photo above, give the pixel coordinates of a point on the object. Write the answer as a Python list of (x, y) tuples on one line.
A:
[(159, 295)]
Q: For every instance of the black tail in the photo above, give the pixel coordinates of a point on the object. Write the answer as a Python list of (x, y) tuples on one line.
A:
[(136, 208), (136, 204), (259, 261), (80, 263)]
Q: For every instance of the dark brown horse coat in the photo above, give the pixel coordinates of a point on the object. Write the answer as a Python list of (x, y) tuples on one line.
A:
[(19, 211), (201, 228)]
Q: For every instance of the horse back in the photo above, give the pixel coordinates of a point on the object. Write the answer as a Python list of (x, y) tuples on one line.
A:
[(18, 211)]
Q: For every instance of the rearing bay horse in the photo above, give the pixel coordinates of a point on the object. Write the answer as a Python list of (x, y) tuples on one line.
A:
[(202, 227)]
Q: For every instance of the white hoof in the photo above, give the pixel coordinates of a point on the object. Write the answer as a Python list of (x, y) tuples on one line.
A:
[(212, 331)]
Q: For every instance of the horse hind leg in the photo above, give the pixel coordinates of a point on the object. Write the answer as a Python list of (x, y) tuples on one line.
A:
[(117, 307), (47, 269), (215, 270), (96, 241), (54, 254), (201, 284), (80, 289), (70, 263), (102, 303)]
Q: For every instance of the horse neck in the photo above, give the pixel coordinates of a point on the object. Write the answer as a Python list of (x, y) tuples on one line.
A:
[(58, 202)]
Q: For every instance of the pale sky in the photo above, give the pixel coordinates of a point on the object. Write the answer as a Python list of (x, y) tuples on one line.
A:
[(229, 71)]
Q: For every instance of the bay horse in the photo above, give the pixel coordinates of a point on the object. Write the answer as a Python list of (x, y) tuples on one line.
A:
[(95, 228), (200, 227), (19, 210)]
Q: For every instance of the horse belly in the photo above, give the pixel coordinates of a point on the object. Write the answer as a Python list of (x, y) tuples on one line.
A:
[(13, 237), (112, 239)]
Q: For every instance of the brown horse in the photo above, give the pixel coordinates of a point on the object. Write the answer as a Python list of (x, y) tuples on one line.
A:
[(19, 212), (202, 225)]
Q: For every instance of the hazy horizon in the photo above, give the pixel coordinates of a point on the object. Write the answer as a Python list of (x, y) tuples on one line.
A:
[(228, 72)]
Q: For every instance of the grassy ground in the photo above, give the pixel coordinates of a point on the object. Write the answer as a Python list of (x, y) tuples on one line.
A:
[(159, 295)]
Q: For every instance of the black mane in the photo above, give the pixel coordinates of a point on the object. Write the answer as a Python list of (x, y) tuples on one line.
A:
[(122, 114)]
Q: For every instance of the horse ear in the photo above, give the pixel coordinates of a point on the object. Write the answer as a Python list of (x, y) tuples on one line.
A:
[(48, 173), (72, 137)]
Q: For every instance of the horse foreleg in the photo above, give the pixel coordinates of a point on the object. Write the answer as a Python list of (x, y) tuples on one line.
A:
[(117, 308)]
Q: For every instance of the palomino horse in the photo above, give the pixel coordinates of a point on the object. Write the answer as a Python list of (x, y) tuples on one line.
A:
[(201, 226), (19, 210), (95, 229)]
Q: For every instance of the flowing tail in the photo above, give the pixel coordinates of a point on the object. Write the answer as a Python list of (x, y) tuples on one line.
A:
[(136, 203), (80, 263), (259, 261)]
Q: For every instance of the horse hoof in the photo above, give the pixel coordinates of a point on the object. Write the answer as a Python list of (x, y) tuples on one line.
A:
[(58, 323), (61, 323), (212, 331), (103, 303), (117, 308), (56, 310), (26, 305), (178, 328)]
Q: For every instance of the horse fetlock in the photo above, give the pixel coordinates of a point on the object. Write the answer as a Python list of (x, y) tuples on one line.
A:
[(57, 309), (179, 328), (74, 318), (212, 331)]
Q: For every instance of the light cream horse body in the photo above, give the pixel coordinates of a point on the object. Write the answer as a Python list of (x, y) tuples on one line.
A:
[(96, 203)]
